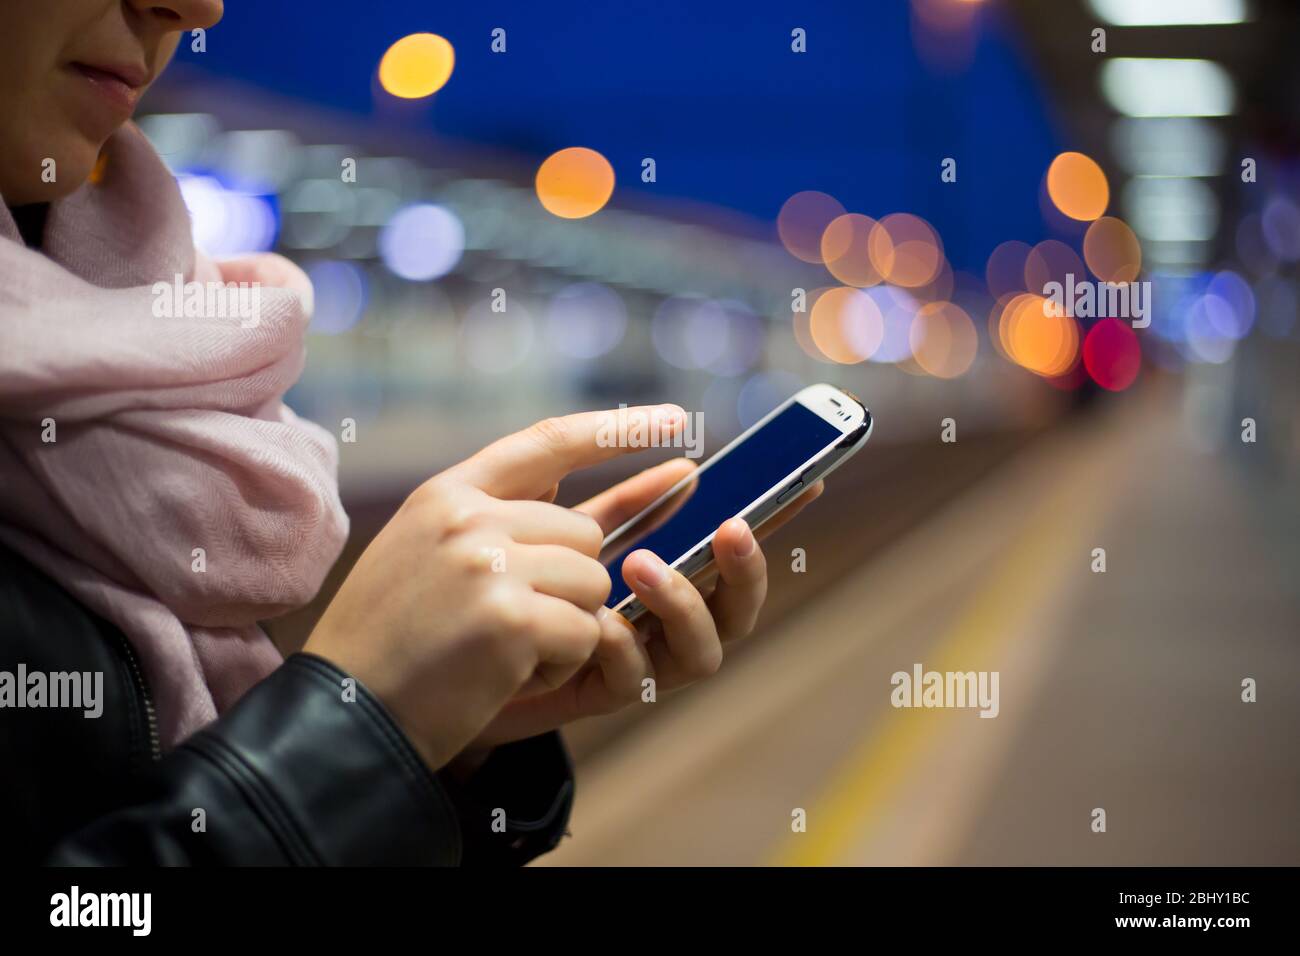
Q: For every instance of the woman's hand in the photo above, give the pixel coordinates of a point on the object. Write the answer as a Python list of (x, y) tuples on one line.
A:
[(681, 644), (479, 588)]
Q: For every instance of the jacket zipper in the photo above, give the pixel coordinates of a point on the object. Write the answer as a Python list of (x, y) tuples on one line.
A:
[(151, 715)]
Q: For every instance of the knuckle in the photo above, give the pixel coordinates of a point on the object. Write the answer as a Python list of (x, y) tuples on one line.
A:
[(579, 641), (591, 535), (589, 634), (445, 509), (505, 608), (552, 678), (423, 500), (551, 433), (681, 599), (525, 665), (707, 662), (575, 642), (470, 554), (461, 517), (599, 583)]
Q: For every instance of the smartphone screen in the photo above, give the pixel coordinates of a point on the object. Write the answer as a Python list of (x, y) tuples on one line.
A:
[(720, 489)]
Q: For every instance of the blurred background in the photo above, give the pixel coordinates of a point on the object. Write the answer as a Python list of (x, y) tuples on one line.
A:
[(515, 210)]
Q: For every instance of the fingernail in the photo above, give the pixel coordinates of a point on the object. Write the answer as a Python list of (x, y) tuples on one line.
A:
[(668, 415), (653, 572), (745, 546), (605, 615)]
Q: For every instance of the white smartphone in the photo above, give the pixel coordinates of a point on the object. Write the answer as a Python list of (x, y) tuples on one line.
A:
[(754, 477)]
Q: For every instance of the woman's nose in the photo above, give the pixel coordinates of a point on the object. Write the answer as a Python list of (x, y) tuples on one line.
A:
[(181, 14)]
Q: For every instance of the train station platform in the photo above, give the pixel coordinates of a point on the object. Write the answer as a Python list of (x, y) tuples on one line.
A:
[(1118, 690)]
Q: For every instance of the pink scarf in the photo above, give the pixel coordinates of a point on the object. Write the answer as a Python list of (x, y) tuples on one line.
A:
[(169, 436)]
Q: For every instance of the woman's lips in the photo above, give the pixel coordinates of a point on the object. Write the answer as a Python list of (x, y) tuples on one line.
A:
[(119, 87)]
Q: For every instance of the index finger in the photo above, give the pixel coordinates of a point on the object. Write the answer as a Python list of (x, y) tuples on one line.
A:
[(528, 463)]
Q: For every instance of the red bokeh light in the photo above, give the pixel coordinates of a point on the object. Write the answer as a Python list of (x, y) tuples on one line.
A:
[(1112, 354)]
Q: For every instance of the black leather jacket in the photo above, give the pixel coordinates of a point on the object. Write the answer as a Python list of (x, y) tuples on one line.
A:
[(290, 775)]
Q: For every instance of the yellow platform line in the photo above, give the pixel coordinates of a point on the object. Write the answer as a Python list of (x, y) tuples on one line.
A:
[(1000, 607)]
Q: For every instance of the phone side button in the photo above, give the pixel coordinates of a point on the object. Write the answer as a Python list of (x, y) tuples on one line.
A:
[(789, 493)]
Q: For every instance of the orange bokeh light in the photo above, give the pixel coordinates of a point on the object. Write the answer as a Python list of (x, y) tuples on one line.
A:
[(1051, 261), (575, 182), (417, 66), (1078, 186), (943, 339), (906, 250), (844, 249), (846, 325), (939, 288), (802, 222), (1036, 337), (995, 322), (1112, 250)]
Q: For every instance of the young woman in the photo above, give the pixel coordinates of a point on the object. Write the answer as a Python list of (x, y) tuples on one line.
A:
[(157, 499)]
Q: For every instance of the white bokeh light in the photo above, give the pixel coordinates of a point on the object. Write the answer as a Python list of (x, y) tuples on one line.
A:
[(422, 242)]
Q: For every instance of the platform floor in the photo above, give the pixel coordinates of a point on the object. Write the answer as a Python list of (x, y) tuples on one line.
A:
[(1119, 690)]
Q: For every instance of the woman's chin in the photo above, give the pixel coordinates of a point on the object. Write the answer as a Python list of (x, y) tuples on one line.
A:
[(57, 175)]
